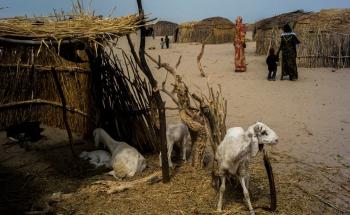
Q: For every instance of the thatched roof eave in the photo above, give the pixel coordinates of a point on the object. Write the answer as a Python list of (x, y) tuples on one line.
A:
[(77, 27), (282, 19)]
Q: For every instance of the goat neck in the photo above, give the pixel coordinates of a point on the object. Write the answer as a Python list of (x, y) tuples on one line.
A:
[(253, 140)]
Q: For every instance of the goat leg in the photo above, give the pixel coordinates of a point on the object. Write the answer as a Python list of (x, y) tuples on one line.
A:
[(221, 192), (170, 150), (246, 195), (184, 158)]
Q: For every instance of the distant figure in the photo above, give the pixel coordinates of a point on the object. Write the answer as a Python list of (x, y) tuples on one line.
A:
[(271, 61), (162, 43), (288, 44), (167, 41), (239, 43)]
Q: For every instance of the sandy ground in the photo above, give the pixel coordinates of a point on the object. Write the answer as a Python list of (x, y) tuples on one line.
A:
[(311, 162)]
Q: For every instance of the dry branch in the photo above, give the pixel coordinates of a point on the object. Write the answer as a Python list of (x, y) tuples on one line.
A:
[(199, 57), (116, 187), (212, 111)]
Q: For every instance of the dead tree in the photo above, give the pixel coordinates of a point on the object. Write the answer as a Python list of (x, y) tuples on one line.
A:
[(201, 122)]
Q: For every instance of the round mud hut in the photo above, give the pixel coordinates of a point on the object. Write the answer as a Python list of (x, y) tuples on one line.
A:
[(213, 30), (49, 67), (324, 36), (163, 28)]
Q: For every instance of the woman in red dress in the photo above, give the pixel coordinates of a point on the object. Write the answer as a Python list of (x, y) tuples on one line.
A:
[(239, 43)]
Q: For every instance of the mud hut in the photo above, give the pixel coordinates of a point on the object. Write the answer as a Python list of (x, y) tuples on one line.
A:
[(210, 31), (67, 63), (324, 35), (162, 28)]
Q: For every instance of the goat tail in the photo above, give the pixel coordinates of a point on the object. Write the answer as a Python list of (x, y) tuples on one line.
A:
[(268, 167)]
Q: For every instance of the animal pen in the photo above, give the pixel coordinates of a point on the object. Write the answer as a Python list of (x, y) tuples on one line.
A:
[(324, 36), (214, 30), (72, 65)]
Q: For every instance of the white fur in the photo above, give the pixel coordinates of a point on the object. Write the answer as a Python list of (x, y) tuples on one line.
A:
[(126, 161), (235, 151), (179, 135), (97, 158)]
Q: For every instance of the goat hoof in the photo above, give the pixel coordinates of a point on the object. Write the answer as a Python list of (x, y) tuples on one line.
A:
[(252, 212)]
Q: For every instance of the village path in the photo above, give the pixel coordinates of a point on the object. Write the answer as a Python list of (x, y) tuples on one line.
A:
[(311, 116)]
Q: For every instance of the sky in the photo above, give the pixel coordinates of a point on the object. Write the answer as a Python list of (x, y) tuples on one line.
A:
[(176, 10)]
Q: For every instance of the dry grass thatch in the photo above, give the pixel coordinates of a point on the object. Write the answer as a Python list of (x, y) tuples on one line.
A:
[(324, 36), (210, 31), (280, 20), (63, 27)]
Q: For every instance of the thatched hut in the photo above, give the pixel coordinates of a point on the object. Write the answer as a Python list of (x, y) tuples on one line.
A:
[(67, 63), (325, 39), (267, 31), (163, 28), (210, 31), (325, 36)]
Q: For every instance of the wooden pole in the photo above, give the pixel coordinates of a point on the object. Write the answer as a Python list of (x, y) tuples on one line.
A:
[(268, 168), (157, 96), (64, 110)]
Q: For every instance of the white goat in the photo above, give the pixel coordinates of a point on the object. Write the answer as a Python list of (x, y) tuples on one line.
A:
[(97, 158), (126, 161), (177, 134), (234, 153)]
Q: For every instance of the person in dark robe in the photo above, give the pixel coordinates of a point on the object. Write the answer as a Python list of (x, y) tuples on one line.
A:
[(167, 41), (288, 44), (271, 62)]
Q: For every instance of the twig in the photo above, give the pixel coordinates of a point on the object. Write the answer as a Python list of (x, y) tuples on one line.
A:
[(166, 66), (41, 101), (178, 62), (199, 57)]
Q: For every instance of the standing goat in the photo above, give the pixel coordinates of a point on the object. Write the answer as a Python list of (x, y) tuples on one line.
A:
[(126, 161), (179, 135), (234, 153)]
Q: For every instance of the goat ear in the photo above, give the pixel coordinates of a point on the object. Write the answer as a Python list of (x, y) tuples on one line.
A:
[(257, 129)]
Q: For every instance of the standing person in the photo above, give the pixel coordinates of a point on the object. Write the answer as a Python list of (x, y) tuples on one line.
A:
[(162, 42), (239, 43), (271, 62), (288, 47), (167, 41)]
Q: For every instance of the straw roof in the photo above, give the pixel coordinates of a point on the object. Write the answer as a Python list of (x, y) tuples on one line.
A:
[(68, 27), (280, 20), (334, 20)]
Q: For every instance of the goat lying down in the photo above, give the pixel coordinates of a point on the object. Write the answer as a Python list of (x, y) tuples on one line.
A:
[(97, 158), (126, 161), (177, 134), (234, 153)]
